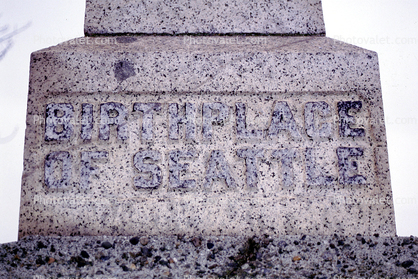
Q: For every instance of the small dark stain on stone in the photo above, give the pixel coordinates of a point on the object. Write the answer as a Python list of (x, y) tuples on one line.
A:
[(106, 245), (134, 240), (123, 69), (126, 39), (233, 265), (40, 261), (104, 258), (407, 264), (84, 254), (41, 245), (210, 245), (162, 262), (146, 252), (80, 261), (282, 244), (196, 241), (412, 271), (406, 241)]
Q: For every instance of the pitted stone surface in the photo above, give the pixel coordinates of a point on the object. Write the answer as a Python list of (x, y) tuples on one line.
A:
[(204, 17), (298, 256), (205, 64), (162, 135)]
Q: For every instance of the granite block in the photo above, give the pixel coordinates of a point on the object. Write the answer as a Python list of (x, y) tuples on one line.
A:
[(210, 257), (165, 135), (204, 17)]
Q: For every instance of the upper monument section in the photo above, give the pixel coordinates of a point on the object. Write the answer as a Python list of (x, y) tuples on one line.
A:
[(284, 17)]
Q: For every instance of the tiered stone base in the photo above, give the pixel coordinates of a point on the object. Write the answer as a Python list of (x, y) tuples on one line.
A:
[(210, 257)]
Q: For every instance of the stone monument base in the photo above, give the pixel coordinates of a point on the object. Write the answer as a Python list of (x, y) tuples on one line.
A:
[(210, 257)]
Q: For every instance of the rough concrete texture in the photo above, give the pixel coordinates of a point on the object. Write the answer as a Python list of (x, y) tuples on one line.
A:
[(210, 257), (284, 135), (204, 17)]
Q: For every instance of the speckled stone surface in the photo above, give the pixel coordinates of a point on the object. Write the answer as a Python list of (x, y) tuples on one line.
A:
[(330, 257), (204, 17), (163, 135)]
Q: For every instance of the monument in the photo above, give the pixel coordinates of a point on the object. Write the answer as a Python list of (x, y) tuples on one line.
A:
[(206, 139), (205, 118)]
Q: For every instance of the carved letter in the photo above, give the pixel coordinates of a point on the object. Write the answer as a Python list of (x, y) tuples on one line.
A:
[(242, 131), (156, 178), (282, 119), (51, 160), (314, 175), (86, 121), (286, 157), (347, 167), (58, 124), (176, 168), (346, 119), (209, 118), (86, 168), (147, 119), (250, 156), (218, 168), (113, 114), (312, 111), (187, 118)]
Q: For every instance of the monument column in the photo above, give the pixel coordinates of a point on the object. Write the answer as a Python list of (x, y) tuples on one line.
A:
[(205, 118)]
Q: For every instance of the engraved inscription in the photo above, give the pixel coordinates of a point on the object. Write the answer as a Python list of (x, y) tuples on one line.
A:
[(314, 111), (250, 156), (282, 120), (86, 121), (147, 120), (187, 118), (242, 131), (149, 169), (347, 119), (175, 169), (314, 174), (213, 114), (87, 169), (286, 157), (58, 170), (58, 125), (194, 145), (347, 168), (113, 114), (218, 168)]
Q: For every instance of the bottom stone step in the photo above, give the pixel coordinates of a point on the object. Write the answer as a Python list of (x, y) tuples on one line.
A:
[(210, 257)]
